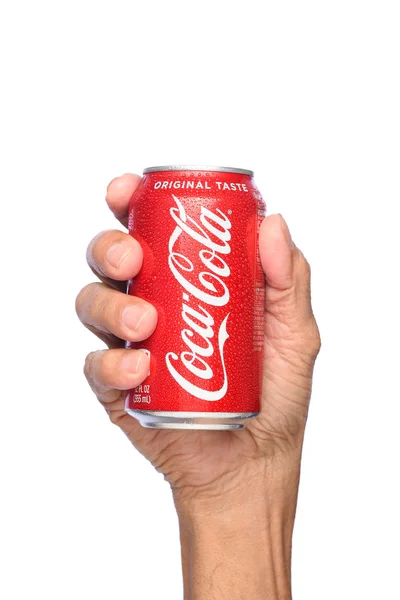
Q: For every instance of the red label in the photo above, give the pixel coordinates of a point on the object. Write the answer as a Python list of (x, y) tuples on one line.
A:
[(202, 272)]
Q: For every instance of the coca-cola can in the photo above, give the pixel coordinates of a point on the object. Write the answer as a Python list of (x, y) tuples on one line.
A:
[(198, 227)]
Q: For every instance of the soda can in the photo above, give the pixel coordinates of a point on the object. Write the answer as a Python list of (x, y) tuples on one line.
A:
[(198, 227)]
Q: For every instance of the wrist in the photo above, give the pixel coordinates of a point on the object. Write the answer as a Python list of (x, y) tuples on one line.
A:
[(262, 482), (239, 537)]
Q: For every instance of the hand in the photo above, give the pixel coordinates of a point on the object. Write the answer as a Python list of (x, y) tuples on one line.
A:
[(209, 468)]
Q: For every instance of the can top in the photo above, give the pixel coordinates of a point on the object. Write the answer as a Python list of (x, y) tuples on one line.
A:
[(198, 168)]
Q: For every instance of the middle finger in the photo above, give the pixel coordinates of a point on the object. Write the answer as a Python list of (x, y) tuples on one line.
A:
[(110, 311)]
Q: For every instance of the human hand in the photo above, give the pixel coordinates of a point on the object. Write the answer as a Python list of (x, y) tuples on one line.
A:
[(211, 469)]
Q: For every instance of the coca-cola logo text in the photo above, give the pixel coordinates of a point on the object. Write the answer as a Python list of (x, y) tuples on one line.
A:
[(209, 288)]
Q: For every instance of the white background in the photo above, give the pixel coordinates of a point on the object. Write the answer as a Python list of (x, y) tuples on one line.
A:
[(305, 93)]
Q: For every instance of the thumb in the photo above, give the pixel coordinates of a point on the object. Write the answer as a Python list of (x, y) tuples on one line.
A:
[(287, 275)]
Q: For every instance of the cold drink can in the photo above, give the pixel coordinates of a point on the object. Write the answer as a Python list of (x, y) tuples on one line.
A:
[(198, 227)]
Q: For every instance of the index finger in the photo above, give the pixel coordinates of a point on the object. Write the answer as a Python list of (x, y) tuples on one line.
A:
[(119, 193)]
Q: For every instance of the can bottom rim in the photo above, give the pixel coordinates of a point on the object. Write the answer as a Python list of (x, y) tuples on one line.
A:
[(190, 420)]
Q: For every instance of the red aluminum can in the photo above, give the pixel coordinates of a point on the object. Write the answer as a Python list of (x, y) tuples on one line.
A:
[(198, 227)]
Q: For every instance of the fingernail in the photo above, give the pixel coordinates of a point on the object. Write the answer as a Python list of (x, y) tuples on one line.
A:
[(286, 232), (131, 362), (133, 316), (117, 253)]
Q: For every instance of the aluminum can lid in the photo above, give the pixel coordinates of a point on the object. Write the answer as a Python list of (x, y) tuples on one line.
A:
[(198, 168)]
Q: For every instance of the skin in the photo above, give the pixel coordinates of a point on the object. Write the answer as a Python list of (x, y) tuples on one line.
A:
[(235, 491)]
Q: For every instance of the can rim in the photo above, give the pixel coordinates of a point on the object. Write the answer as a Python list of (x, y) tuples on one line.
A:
[(198, 168)]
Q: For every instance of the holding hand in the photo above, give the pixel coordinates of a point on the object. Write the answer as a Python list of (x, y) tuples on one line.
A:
[(235, 491)]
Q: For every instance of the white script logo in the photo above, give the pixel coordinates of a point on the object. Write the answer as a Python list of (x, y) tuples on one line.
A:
[(209, 289)]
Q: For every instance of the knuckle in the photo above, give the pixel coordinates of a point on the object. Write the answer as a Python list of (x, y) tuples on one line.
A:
[(115, 183), (305, 267), (87, 368), (81, 300), (121, 245), (92, 246), (84, 298), (98, 371), (90, 369), (111, 184), (313, 340), (316, 341), (99, 243), (115, 417)]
